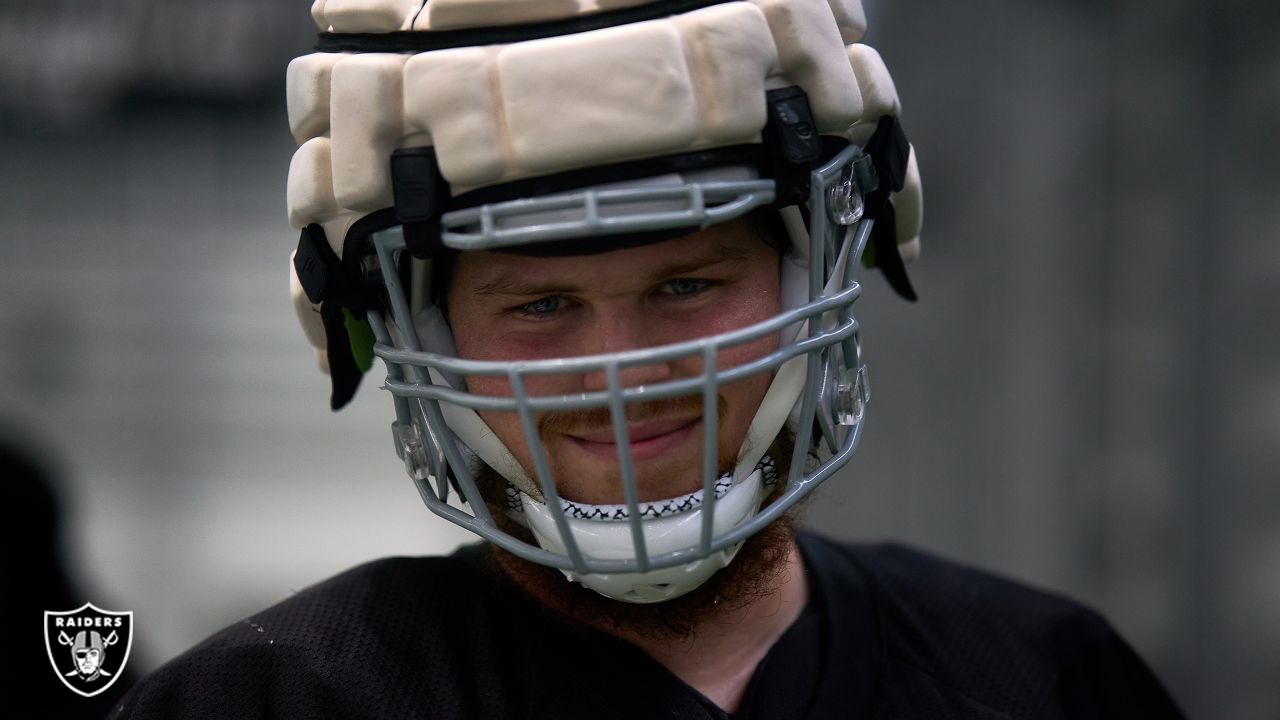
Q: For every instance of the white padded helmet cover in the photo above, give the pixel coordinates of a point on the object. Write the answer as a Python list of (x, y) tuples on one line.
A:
[(497, 113)]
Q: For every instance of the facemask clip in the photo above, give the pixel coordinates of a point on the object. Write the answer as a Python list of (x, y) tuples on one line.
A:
[(853, 391), (844, 199), (411, 449)]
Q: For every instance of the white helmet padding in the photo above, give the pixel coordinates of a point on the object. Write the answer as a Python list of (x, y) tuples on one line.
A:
[(385, 16), (496, 113), (352, 16), (500, 92)]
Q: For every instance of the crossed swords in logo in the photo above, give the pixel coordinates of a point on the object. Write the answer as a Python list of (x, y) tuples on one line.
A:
[(107, 642)]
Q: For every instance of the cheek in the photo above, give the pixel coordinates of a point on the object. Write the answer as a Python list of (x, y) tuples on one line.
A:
[(506, 425), (744, 397), (741, 312), (469, 338), (752, 303), (743, 400)]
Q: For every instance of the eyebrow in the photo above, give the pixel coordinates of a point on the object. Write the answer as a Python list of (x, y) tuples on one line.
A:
[(511, 282)]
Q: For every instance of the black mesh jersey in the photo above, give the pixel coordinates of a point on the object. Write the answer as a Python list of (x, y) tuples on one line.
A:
[(890, 633)]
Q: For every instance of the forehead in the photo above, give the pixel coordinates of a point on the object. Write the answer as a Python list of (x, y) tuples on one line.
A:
[(496, 272)]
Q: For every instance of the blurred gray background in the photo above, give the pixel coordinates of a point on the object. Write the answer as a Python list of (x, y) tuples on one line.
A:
[(1086, 398)]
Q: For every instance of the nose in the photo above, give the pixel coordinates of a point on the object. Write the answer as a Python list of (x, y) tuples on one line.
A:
[(628, 376), (620, 332)]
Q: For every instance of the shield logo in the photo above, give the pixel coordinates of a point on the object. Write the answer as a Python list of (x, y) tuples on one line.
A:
[(88, 647)]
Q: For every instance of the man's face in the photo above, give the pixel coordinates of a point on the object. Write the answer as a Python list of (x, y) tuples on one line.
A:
[(507, 307), (87, 660)]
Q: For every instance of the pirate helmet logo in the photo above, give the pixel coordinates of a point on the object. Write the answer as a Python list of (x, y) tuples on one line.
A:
[(88, 647)]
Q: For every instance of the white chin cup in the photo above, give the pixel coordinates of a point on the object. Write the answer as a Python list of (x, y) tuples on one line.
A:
[(611, 539)]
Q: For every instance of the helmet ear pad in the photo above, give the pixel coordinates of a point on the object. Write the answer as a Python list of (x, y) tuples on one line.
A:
[(308, 312), (341, 288)]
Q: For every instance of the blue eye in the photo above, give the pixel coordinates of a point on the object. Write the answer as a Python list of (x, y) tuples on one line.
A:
[(543, 306), (686, 286)]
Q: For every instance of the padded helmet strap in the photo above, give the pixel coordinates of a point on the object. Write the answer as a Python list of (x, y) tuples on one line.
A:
[(421, 195), (793, 143)]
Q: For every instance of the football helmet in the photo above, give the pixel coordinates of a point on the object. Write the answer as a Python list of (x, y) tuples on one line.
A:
[(428, 129)]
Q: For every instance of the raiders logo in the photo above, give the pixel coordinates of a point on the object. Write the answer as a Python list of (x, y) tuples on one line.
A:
[(88, 647)]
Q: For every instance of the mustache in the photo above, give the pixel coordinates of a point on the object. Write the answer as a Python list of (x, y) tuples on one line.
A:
[(570, 422)]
